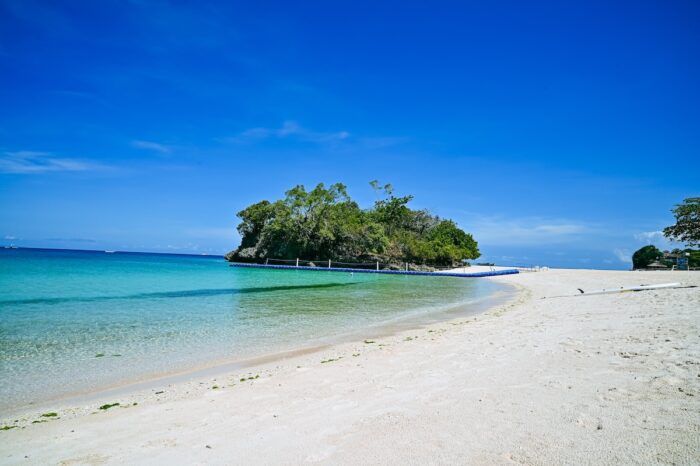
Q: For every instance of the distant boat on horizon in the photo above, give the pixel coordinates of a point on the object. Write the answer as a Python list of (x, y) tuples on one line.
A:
[(109, 251)]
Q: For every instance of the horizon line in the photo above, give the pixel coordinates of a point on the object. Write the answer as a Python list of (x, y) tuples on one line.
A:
[(109, 251)]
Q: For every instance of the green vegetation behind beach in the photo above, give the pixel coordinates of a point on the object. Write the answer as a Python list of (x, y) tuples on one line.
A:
[(325, 223)]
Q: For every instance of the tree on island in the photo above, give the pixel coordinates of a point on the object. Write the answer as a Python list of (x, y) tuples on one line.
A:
[(325, 223), (687, 227), (645, 256)]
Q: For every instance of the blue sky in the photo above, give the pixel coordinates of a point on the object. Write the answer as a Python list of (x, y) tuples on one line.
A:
[(558, 133)]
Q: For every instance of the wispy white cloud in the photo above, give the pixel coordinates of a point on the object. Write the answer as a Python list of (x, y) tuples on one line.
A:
[(623, 255), (656, 238), (31, 162), (150, 145), (179, 247), (293, 131), (527, 231), (289, 129), (559, 229), (649, 236)]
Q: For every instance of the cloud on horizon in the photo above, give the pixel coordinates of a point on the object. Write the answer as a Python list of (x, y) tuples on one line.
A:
[(657, 239), (623, 255), (31, 162), (72, 240), (527, 231)]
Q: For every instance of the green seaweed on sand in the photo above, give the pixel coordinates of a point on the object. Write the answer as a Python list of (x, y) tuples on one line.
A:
[(369, 342), (331, 360), (108, 405), (51, 414), (8, 427), (100, 355), (215, 387)]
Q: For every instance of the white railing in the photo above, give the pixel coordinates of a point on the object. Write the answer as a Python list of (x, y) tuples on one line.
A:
[(406, 266)]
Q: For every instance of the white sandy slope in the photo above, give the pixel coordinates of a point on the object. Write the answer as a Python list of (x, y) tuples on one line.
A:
[(607, 379)]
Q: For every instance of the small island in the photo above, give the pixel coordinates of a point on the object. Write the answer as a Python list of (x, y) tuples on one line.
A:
[(327, 224)]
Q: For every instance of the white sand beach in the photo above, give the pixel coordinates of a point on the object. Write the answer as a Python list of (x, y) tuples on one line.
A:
[(604, 379)]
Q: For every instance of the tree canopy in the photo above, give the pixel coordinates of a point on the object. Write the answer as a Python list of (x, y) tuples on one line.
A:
[(325, 223), (645, 256), (687, 226)]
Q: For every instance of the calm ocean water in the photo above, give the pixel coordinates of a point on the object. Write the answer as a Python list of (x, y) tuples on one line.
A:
[(75, 321)]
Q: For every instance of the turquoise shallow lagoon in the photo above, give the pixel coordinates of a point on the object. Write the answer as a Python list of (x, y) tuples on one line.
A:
[(73, 322)]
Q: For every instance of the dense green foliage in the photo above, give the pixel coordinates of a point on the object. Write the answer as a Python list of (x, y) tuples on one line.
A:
[(692, 255), (645, 256), (325, 223), (648, 254), (687, 227)]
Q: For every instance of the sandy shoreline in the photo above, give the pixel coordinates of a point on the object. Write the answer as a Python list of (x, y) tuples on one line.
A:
[(603, 379)]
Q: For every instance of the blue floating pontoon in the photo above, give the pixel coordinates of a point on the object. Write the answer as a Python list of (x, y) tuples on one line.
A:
[(388, 272)]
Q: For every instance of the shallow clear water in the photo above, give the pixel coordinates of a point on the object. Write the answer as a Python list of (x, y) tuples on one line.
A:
[(149, 314)]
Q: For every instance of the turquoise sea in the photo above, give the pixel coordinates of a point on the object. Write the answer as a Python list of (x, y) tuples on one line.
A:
[(73, 322)]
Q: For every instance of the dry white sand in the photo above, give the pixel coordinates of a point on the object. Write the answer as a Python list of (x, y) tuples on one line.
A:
[(607, 379)]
